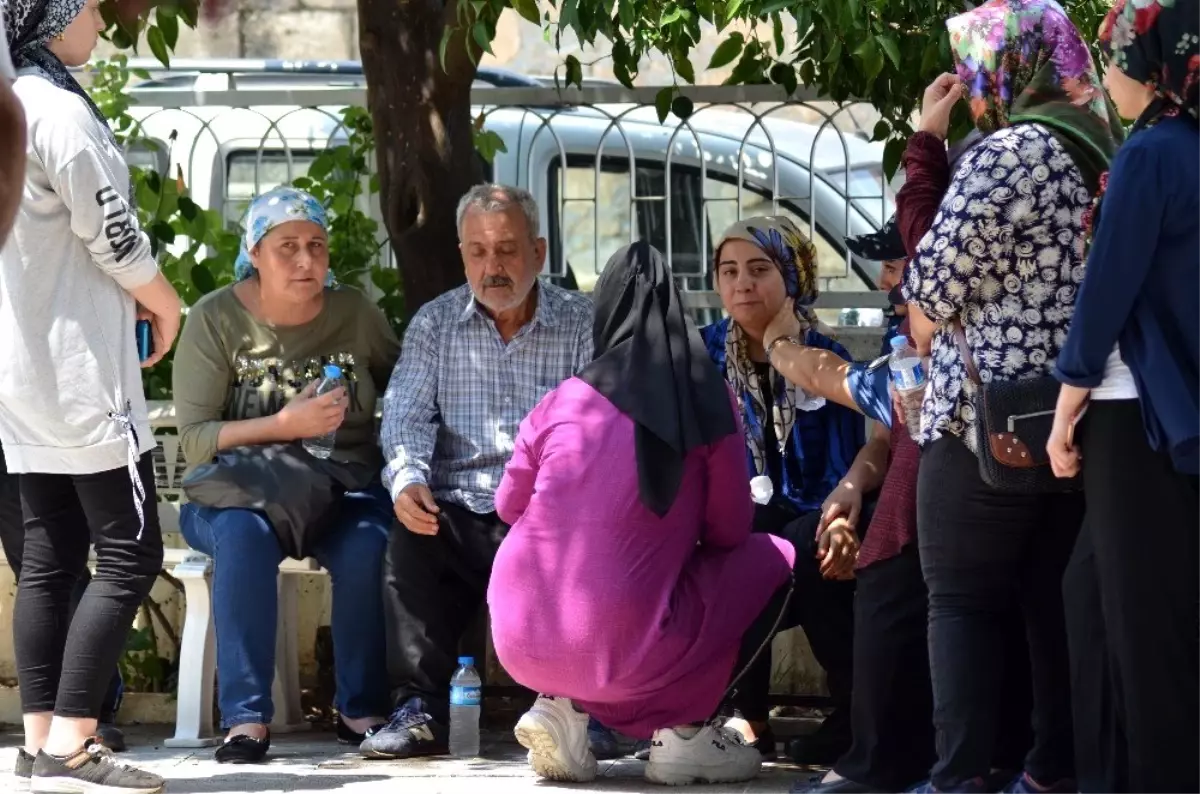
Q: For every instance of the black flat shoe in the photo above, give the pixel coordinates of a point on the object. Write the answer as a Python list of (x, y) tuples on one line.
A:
[(243, 750), (766, 744), (345, 735)]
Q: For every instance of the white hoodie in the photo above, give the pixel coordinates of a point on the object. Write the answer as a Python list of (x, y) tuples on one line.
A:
[(68, 356)]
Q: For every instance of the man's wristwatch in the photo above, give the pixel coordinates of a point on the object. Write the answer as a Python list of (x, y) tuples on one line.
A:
[(791, 340)]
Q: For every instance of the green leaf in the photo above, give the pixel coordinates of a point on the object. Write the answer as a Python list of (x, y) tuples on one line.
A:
[(683, 67), (163, 231), (482, 36), (574, 71), (931, 56), (872, 58), (140, 74), (674, 15), (168, 23), (528, 9), (785, 75), (731, 11), (835, 52), (341, 204), (202, 278), (893, 150), (727, 51), (158, 45), (188, 208), (777, 30), (891, 48), (881, 131), (322, 166), (682, 107), (662, 102), (190, 11), (447, 34)]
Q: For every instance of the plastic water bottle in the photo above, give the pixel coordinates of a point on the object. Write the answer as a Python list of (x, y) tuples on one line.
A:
[(466, 701), (908, 379), (322, 446)]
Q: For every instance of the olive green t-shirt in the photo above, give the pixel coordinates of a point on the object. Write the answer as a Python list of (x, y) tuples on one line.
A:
[(230, 366)]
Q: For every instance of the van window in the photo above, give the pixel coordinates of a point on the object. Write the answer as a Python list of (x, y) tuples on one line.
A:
[(248, 173), (596, 219)]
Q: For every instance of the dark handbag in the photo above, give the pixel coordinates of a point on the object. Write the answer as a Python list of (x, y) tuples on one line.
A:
[(1013, 423), (299, 494)]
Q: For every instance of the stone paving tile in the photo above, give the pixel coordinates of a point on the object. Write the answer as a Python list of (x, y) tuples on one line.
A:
[(314, 762)]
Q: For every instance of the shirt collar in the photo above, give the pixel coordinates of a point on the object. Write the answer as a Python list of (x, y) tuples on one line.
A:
[(544, 314)]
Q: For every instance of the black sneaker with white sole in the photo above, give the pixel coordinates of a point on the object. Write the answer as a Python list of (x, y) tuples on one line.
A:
[(92, 770), (410, 733), (23, 770)]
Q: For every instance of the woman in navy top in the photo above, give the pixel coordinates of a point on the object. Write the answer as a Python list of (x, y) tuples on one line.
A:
[(1132, 359)]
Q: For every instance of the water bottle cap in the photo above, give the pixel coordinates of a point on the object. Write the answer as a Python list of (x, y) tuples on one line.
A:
[(899, 341), (466, 661), (333, 371)]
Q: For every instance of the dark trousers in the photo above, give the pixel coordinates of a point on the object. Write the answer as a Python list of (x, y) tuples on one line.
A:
[(12, 539), (891, 710), (823, 608), (982, 552), (892, 706), (64, 660), (1132, 614), (433, 589)]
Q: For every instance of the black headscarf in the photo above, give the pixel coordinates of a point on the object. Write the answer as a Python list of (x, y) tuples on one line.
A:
[(652, 365), (1157, 44)]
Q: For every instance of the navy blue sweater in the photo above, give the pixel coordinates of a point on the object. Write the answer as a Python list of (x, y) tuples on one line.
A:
[(1142, 287)]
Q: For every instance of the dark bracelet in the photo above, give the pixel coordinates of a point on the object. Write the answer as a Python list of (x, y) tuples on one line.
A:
[(780, 340)]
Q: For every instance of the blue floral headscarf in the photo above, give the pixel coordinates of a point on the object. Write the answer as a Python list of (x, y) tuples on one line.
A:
[(282, 205)]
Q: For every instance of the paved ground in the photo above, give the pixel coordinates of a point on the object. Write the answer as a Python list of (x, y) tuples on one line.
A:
[(314, 762)]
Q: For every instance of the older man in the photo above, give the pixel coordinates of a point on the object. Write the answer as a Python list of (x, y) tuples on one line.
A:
[(475, 361)]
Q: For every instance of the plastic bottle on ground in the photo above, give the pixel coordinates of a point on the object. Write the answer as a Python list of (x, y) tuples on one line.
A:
[(466, 703)]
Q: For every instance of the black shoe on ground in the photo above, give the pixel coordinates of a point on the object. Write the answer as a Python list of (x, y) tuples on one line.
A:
[(346, 735), (641, 750), (92, 769), (111, 737), (766, 744), (23, 770), (243, 749), (824, 746), (410, 733)]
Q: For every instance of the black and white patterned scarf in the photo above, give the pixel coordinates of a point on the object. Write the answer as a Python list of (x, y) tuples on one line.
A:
[(29, 24)]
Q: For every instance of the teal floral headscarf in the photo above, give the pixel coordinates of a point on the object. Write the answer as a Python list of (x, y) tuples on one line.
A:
[(281, 205)]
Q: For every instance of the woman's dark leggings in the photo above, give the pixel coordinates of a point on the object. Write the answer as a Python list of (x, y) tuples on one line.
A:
[(984, 552), (1133, 611), (65, 661)]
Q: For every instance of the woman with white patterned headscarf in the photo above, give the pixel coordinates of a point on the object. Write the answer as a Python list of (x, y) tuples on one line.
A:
[(75, 274)]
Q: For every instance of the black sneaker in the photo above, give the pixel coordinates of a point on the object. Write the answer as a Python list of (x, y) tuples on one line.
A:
[(410, 733), (92, 770), (24, 769)]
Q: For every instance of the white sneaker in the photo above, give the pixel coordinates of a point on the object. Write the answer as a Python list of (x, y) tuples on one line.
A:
[(556, 736), (714, 755)]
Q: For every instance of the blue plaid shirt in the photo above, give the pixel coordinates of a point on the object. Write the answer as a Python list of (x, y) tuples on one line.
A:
[(823, 442), (458, 393)]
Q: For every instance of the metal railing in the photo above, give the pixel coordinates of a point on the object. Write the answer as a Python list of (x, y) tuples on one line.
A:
[(604, 170)]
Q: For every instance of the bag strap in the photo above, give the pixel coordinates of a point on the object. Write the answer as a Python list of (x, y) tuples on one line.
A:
[(964, 350)]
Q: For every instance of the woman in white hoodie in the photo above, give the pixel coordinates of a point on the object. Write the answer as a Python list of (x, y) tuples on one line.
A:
[(75, 274)]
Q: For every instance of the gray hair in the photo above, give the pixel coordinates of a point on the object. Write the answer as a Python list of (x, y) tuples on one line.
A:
[(492, 197)]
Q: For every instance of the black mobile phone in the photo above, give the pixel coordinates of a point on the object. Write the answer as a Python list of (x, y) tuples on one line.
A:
[(145, 340)]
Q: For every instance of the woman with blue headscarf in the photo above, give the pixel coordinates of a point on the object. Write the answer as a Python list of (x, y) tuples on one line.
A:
[(75, 274), (245, 374)]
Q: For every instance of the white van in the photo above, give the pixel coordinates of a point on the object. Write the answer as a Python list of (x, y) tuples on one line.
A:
[(603, 174)]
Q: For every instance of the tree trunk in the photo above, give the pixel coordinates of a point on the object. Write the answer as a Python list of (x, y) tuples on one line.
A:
[(425, 149)]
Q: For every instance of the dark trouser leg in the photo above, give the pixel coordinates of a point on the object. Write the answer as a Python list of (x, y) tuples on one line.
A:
[(1142, 526), (433, 586), (982, 552), (892, 706), (65, 662), (824, 609), (12, 538), (1014, 734), (1100, 760)]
